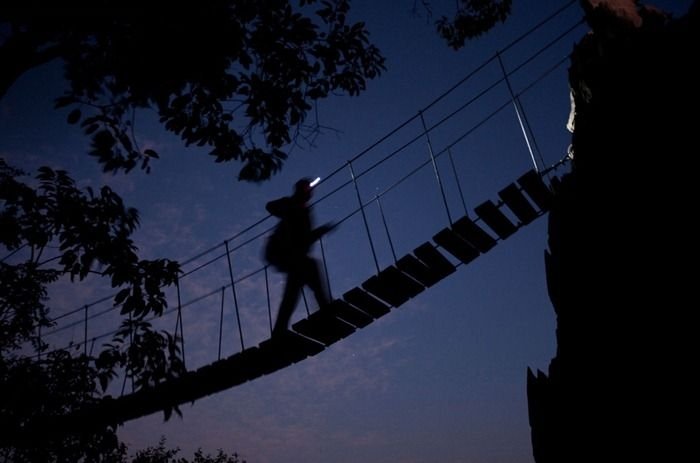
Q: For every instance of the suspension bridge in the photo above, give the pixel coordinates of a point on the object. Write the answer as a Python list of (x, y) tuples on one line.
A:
[(461, 238)]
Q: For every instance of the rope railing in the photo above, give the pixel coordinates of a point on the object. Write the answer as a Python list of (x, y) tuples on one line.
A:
[(353, 180)]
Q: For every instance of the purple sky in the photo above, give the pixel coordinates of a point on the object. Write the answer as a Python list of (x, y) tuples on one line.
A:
[(442, 378)]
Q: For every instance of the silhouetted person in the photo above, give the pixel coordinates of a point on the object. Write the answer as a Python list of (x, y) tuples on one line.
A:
[(288, 247)]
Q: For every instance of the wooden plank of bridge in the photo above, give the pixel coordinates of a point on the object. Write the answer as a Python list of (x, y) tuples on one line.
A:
[(536, 189), (393, 275), (121, 409), (209, 379), (226, 373), (348, 313), (292, 346), (518, 203), (255, 363), (324, 327), (189, 387), (434, 259), (495, 219), (366, 302), (474, 234), (284, 350), (168, 394), (392, 286), (455, 245), (412, 266)]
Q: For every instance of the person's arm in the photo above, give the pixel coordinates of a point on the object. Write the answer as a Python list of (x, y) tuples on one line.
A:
[(318, 232)]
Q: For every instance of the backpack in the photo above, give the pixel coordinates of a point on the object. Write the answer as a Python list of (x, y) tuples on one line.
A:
[(275, 253)]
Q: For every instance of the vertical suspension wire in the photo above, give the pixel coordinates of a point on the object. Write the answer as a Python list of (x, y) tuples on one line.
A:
[(267, 293), (364, 216), (435, 167), (39, 343), (325, 269), (179, 322), (85, 330), (221, 320), (177, 319), (235, 299), (306, 303), (531, 132), (126, 376), (459, 184), (517, 111), (131, 343), (93, 392), (386, 228)]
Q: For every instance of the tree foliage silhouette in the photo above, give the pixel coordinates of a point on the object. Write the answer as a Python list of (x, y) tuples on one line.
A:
[(236, 76), (63, 232), (161, 454), (471, 19)]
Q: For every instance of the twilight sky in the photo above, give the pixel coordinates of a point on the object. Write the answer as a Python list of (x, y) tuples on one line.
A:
[(442, 378)]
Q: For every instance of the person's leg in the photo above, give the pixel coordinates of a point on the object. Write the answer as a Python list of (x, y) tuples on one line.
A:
[(292, 289), (313, 278)]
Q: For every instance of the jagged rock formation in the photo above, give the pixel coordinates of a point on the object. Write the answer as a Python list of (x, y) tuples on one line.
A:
[(621, 256)]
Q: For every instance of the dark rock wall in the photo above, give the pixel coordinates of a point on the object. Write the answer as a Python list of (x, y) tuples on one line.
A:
[(622, 248)]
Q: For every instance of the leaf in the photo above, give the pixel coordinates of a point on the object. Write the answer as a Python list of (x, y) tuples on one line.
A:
[(104, 382), (63, 101), (91, 129), (45, 173), (121, 295), (74, 116), (127, 307), (151, 154)]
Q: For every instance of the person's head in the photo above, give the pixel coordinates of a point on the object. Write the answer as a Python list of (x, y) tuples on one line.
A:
[(302, 189)]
